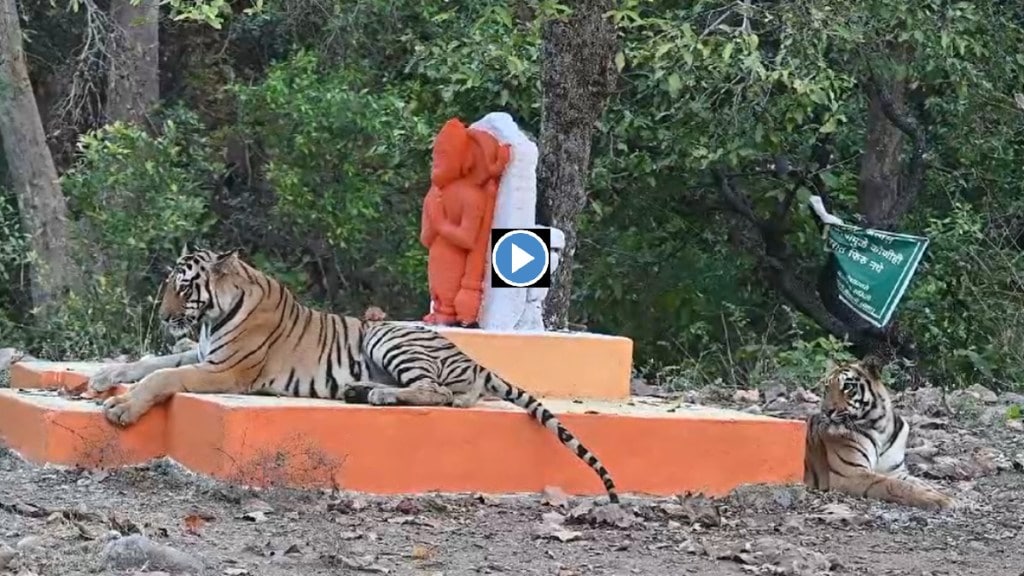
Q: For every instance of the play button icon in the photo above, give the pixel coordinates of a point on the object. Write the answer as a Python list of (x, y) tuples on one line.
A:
[(520, 257)]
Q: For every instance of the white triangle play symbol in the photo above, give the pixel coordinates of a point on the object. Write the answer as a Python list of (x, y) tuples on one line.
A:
[(520, 258)]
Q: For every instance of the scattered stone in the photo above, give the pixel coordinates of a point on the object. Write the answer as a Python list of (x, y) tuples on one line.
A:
[(992, 415), (984, 394), (137, 551), (556, 532), (775, 392), (358, 563), (7, 556), (30, 544), (639, 387), (773, 556), (555, 496), (747, 396), (603, 514), (836, 513), (925, 401), (1012, 398), (802, 395)]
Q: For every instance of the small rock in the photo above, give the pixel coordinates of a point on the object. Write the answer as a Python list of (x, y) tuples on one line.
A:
[(1015, 425), (1013, 398), (984, 394), (136, 551), (409, 507), (752, 409), (775, 392), (837, 513), (556, 532), (7, 555), (928, 401), (639, 387), (747, 396), (802, 395), (555, 496), (30, 543)]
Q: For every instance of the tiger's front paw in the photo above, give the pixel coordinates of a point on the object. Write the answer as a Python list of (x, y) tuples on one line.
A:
[(383, 397), (110, 375), (357, 394), (124, 409), (936, 500), (184, 345)]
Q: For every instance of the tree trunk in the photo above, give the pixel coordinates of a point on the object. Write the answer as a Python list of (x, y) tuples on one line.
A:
[(133, 80), (32, 173), (577, 76), (881, 164)]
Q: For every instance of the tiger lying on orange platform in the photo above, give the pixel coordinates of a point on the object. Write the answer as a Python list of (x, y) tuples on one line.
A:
[(254, 336)]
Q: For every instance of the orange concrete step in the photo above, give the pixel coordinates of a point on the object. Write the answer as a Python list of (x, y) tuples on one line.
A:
[(553, 364), (46, 428), (650, 446), (547, 364)]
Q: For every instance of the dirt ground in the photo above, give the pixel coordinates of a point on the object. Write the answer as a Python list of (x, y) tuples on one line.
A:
[(159, 518)]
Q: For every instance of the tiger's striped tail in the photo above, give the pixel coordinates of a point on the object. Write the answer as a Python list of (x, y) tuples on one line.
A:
[(495, 385)]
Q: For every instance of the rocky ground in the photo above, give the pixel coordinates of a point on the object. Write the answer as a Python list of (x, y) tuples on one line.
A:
[(161, 519)]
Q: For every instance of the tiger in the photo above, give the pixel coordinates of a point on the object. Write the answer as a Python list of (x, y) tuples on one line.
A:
[(256, 337), (857, 443)]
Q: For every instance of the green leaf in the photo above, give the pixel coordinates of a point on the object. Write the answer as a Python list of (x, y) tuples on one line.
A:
[(1013, 412), (829, 126), (620, 61), (727, 51), (830, 179), (675, 84)]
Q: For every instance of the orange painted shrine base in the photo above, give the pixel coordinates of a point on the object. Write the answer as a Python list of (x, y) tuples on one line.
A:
[(650, 446), (547, 364)]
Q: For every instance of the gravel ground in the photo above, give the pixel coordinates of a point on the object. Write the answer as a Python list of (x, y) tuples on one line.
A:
[(159, 518)]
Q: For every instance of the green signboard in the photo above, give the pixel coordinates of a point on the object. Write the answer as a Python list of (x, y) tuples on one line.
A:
[(875, 268)]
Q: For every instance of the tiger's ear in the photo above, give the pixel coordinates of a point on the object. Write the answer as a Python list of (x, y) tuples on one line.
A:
[(873, 364), (184, 250), (225, 262)]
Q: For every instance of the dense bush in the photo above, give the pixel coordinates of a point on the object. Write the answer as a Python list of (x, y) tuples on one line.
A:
[(339, 107), (136, 200)]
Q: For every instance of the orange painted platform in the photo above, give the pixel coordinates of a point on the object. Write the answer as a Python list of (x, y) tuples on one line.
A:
[(547, 364), (649, 445)]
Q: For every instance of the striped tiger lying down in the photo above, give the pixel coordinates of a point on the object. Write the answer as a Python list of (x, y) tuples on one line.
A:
[(857, 443), (254, 336)]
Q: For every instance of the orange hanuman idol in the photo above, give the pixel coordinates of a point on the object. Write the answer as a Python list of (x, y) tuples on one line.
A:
[(458, 211)]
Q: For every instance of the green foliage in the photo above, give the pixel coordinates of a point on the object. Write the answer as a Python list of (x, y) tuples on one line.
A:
[(139, 195), (14, 257), (341, 126), (347, 163), (136, 199)]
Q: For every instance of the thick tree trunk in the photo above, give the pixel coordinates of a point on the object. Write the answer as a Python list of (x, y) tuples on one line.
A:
[(577, 76), (133, 80), (32, 173), (881, 164)]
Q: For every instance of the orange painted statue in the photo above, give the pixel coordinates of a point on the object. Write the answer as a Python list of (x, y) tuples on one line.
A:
[(456, 224)]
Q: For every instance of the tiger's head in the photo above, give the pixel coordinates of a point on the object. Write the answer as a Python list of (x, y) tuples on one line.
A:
[(198, 289), (854, 392)]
